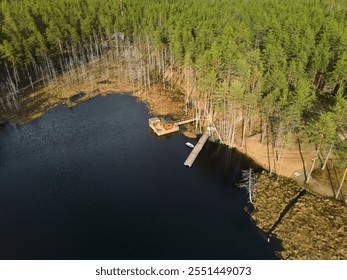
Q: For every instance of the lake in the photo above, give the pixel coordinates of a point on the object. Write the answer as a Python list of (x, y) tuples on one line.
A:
[(93, 182)]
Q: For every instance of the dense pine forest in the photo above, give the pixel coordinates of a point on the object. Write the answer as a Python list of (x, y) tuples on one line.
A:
[(273, 67)]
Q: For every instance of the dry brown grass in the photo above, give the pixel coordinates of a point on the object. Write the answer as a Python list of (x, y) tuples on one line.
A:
[(313, 228), (163, 101)]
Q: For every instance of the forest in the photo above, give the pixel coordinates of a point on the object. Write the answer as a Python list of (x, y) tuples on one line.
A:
[(269, 67)]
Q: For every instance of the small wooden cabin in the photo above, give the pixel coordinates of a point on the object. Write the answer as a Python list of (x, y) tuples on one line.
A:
[(154, 121), (166, 123)]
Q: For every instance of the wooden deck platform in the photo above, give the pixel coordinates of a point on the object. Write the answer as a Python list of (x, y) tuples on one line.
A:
[(158, 125), (191, 158), (160, 131)]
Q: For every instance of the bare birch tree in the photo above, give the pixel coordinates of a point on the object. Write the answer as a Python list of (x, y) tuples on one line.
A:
[(249, 182)]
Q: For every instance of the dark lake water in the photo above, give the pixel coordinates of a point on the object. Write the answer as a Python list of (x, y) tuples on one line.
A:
[(93, 182)]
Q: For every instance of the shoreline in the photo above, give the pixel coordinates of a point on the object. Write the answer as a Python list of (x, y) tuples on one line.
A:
[(272, 198), (166, 102), (163, 102)]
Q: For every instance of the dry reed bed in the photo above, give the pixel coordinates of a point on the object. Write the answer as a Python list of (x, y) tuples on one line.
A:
[(313, 228)]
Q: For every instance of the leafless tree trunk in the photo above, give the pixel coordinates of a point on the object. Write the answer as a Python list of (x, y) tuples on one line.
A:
[(341, 183), (314, 161), (327, 157), (248, 182)]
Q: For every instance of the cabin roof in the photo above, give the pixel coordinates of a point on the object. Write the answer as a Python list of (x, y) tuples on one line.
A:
[(165, 121)]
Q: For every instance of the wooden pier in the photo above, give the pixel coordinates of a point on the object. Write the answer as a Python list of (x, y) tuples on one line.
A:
[(191, 158), (162, 126), (186, 121)]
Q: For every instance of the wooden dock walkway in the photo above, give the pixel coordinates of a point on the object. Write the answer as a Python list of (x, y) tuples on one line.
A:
[(186, 121), (191, 158)]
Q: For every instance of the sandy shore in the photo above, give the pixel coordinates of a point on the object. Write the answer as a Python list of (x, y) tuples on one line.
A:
[(289, 164)]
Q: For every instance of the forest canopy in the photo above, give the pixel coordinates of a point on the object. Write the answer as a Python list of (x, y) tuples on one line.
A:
[(300, 38)]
